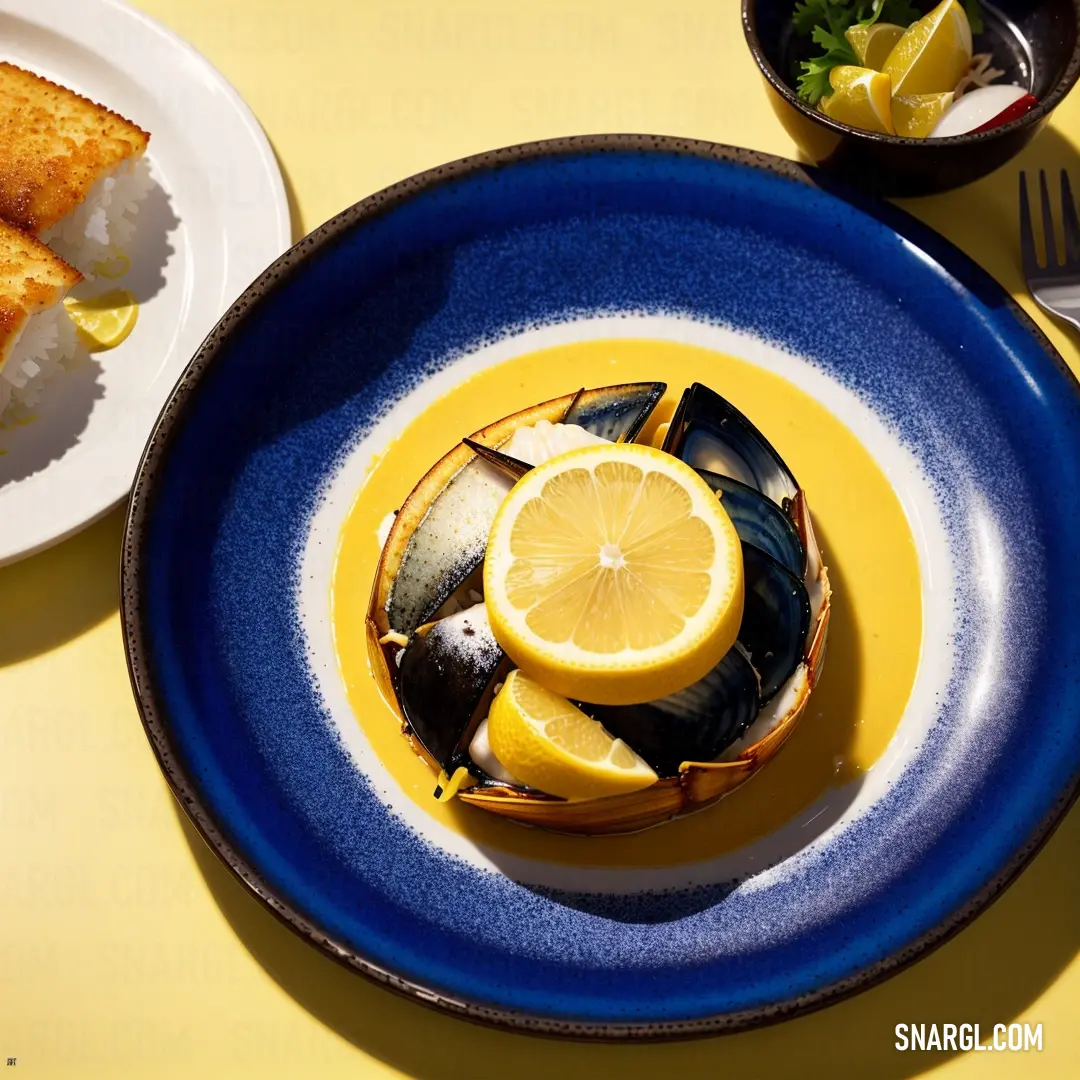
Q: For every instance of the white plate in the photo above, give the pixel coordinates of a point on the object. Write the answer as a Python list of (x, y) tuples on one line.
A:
[(217, 217)]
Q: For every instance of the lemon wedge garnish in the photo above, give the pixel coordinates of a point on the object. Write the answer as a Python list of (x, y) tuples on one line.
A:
[(872, 44), (933, 54), (861, 98), (613, 575), (916, 115), (551, 745), (104, 321)]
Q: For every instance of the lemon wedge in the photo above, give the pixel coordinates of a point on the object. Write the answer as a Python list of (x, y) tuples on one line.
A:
[(872, 44), (104, 321), (553, 746), (614, 575), (933, 54), (916, 115), (861, 97)]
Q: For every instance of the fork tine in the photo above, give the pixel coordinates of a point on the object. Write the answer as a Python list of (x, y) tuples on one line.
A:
[(1072, 222), (1028, 254), (1048, 223)]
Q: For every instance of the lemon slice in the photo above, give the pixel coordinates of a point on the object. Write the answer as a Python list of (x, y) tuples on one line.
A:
[(916, 115), (872, 44), (104, 321), (552, 746), (861, 98), (933, 54), (613, 575)]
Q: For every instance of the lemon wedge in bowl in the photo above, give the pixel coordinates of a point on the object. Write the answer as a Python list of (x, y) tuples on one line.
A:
[(916, 115), (933, 54), (549, 744), (872, 44), (614, 575), (861, 97)]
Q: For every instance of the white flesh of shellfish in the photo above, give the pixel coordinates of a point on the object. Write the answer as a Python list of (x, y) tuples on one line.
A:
[(770, 716)]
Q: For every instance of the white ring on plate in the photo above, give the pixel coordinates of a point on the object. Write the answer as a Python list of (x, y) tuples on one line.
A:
[(776, 851)]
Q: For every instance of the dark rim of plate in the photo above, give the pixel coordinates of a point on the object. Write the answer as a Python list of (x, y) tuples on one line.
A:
[(1030, 119), (154, 712)]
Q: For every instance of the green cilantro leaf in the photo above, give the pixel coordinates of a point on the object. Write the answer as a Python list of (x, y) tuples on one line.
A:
[(897, 12), (974, 14), (824, 22), (808, 14), (814, 80)]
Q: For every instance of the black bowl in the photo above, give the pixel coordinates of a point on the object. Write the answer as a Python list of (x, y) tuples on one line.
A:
[(1036, 41)]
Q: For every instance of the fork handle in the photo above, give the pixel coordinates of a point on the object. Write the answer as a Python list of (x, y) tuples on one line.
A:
[(1073, 320)]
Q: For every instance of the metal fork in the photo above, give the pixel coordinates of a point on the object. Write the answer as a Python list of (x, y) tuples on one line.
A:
[(1055, 286)]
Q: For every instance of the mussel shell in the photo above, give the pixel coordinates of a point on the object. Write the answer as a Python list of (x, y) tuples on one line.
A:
[(709, 433), (448, 545), (449, 539), (441, 718), (776, 619), (695, 724), (759, 521), (616, 413), (444, 677), (509, 466)]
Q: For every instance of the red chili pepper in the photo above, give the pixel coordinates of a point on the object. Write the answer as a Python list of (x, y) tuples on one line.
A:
[(1017, 109)]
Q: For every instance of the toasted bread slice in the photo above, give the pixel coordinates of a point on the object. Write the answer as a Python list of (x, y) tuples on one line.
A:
[(32, 279), (54, 146)]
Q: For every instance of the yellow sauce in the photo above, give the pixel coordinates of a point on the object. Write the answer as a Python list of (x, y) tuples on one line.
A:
[(874, 636)]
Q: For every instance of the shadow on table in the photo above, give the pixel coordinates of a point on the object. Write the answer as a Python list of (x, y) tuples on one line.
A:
[(990, 973), (989, 227), (53, 597)]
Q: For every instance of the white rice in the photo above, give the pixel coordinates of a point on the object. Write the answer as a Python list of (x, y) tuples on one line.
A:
[(47, 341), (99, 229)]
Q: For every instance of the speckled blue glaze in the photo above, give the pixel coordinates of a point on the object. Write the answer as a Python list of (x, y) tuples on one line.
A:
[(992, 416)]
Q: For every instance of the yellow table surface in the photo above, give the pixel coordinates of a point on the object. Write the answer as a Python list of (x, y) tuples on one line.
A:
[(125, 948)]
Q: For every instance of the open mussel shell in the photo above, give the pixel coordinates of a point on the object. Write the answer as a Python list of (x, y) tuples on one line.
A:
[(701, 721), (759, 521), (446, 674), (438, 541), (694, 724), (440, 534), (615, 413), (776, 619), (512, 467), (434, 549), (818, 588), (710, 434)]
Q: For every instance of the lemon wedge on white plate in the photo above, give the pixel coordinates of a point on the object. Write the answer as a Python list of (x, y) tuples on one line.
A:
[(104, 321)]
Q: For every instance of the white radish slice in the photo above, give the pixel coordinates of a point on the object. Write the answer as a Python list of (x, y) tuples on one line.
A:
[(976, 109)]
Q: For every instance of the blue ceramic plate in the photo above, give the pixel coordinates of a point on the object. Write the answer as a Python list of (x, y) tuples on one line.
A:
[(890, 338)]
